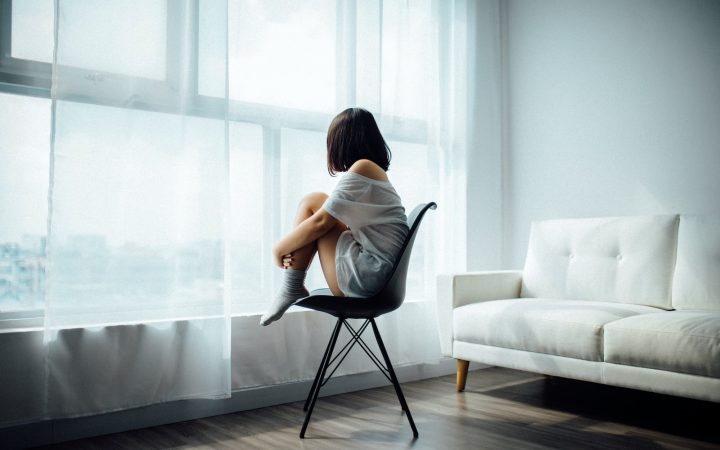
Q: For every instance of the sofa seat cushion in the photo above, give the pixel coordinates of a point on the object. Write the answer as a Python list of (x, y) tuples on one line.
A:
[(679, 341), (570, 328)]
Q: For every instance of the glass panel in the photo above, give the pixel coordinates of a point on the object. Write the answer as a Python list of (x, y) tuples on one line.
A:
[(251, 264), (409, 174), (303, 169), (137, 223), (32, 30), (406, 35), (283, 53), (24, 172), (126, 37)]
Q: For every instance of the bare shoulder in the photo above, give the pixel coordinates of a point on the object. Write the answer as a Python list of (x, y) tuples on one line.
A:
[(369, 169)]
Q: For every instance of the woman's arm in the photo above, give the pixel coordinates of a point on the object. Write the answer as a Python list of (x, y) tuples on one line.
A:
[(304, 234)]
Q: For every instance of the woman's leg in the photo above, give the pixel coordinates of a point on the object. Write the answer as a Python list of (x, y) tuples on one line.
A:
[(293, 286), (308, 206), (325, 245)]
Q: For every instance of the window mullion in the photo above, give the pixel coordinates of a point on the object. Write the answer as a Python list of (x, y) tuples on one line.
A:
[(272, 204), (380, 56), (182, 51), (346, 54), (5, 29)]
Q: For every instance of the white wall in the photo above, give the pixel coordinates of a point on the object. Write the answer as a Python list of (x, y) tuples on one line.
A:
[(484, 180), (613, 108)]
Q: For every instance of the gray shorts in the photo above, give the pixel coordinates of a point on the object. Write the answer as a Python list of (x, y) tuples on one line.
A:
[(359, 272)]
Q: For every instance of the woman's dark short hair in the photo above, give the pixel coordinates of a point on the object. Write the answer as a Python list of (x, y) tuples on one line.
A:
[(354, 135)]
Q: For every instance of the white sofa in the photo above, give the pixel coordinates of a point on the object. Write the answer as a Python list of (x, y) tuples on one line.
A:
[(625, 301)]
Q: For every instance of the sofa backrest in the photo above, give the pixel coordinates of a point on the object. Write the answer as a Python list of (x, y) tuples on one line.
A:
[(697, 270), (614, 259)]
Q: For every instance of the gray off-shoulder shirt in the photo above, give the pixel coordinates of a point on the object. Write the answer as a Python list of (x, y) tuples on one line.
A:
[(377, 224)]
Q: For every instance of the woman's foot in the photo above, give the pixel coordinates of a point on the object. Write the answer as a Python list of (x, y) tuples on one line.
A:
[(292, 290)]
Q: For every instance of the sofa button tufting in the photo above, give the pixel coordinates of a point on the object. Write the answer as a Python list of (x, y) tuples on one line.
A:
[(619, 257)]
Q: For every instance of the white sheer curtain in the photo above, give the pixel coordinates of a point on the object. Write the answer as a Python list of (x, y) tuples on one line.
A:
[(136, 309), (184, 134)]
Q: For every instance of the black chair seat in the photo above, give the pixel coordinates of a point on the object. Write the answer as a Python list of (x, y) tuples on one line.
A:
[(345, 307)]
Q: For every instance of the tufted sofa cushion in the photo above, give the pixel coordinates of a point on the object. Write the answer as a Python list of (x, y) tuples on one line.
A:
[(615, 259), (697, 273)]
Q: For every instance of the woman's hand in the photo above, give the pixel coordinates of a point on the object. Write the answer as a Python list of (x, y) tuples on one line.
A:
[(307, 232), (287, 261), (282, 261)]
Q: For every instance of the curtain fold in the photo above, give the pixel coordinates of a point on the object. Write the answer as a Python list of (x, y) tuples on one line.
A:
[(451, 116), (136, 310)]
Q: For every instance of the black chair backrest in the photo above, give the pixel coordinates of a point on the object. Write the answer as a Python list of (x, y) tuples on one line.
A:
[(393, 293)]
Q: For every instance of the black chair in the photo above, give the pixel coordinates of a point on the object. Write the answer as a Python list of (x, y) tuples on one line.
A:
[(389, 298)]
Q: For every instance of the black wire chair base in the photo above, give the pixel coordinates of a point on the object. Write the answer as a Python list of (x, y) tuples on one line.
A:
[(356, 338)]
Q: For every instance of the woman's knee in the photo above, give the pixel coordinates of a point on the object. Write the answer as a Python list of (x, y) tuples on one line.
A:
[(313, 200)]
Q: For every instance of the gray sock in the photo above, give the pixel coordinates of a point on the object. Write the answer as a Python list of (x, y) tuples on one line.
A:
[(292, 289)]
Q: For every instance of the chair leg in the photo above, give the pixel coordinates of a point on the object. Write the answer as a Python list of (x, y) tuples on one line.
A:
[(323, 363), (462, 370), (394, 379), (323, 369)]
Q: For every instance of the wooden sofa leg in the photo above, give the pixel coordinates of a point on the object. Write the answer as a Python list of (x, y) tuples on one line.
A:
[(462, 370)]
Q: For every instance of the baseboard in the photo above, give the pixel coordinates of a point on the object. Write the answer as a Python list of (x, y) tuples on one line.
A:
[(61, 430)]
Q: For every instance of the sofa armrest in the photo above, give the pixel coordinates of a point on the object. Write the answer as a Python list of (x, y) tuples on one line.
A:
[(455, 290)]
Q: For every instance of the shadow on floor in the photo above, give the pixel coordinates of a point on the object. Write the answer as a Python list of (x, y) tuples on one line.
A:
[(695, 419)]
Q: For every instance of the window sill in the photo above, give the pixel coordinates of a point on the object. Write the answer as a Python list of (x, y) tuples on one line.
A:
[(33, 320)]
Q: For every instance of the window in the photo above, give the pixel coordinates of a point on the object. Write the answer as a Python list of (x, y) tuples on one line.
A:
[(137, 217), (290, 70), (24, 172), (32, 30), (141, 52), (283, 54)]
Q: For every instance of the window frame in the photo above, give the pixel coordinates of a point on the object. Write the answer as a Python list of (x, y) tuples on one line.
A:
[(20, 76), (27, 77), (34, 78)]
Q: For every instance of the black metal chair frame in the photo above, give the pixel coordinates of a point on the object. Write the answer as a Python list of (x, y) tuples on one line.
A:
[(389, 298)]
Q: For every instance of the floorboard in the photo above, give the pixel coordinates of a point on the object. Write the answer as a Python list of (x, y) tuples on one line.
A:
[(500, 409)]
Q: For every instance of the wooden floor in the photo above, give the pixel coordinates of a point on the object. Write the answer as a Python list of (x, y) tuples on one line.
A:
[(500, 409)]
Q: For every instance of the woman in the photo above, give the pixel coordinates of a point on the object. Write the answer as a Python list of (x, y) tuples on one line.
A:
[(357, 231)]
